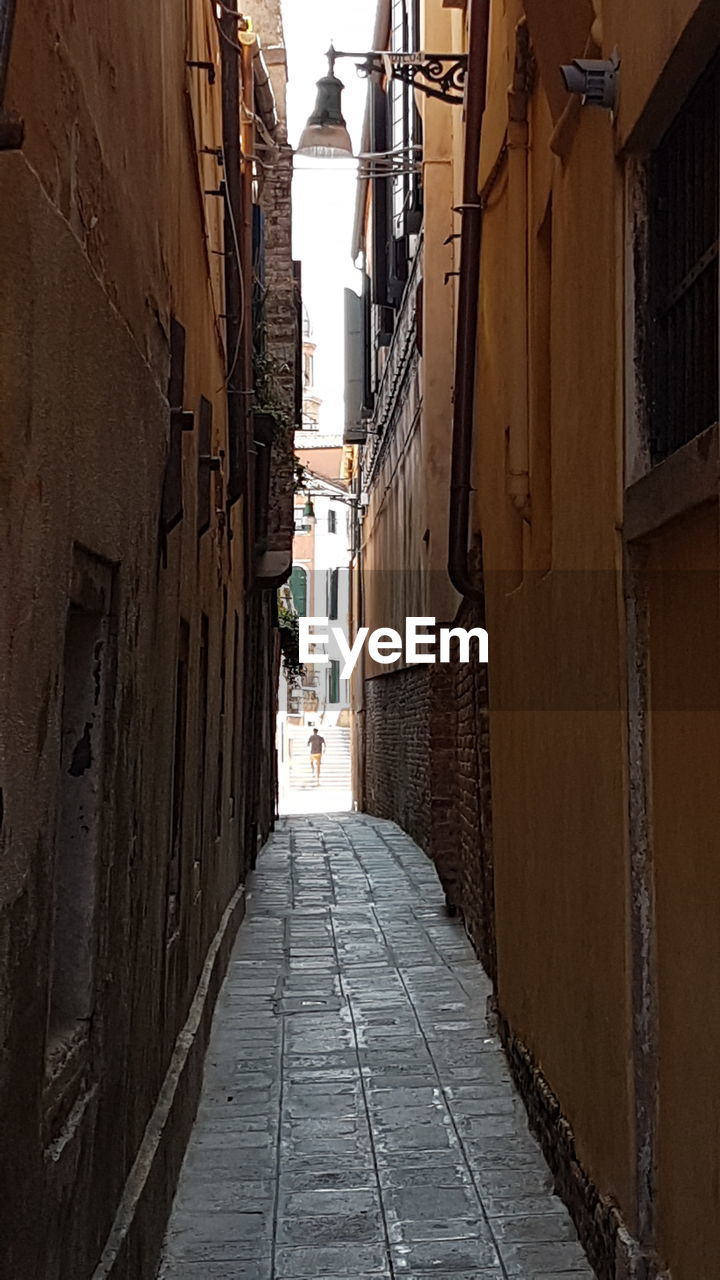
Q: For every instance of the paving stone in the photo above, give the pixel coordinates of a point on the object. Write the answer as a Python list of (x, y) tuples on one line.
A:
[(346, 1228), (330, 1260), (524, 1206), (352, 1088), (412, 1202), (304, 1178), (195, 1227), (432, 1229), (534, 1228), (224, 1195), (483, 1273), (324, 1203), (253, 1269), (187, 1249), (525, 1260), (449, 1255)]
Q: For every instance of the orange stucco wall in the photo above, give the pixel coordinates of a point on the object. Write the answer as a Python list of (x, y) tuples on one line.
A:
[(556, 616)]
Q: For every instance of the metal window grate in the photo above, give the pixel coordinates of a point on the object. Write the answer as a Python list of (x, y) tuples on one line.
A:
[(683, 271)]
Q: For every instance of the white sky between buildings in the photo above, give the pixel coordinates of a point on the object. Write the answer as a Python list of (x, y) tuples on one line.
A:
[(324, 190)]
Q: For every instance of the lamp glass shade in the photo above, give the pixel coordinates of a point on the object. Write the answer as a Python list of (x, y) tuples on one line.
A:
[(324, 141), (325, 133)]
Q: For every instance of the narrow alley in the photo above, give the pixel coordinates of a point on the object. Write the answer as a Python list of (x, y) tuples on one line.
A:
[(357, 1116)]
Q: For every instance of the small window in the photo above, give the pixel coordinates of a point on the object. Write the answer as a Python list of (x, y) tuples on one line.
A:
[(174, 883), (682, 347), (334, 681), (332, 522), (81, 785), (220, 760), (202, 715), (298, 587), (332, 593)]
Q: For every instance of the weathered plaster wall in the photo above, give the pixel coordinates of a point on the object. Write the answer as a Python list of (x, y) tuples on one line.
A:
[(684, 641), (555, 640), (558, 719), (405, 530), (104, 234)]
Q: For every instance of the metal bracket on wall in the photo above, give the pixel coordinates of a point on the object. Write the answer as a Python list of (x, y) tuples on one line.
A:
[(437, 75), (204, 66), (12, 132)]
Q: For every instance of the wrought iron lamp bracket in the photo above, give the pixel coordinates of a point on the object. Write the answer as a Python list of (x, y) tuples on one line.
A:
[(437, 75)]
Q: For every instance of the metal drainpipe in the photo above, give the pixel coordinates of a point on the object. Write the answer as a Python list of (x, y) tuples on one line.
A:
[(7, 20), (467, 327), (247, 140), (518, 453), (230, 72)]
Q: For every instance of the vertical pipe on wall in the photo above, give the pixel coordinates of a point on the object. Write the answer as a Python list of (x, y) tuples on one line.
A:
[(459, 569), (230, 74), (7, 21), (247, 165), (518, 453)]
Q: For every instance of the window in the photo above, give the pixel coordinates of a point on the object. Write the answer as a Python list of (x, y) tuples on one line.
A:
[(332, 522), (81, 798), (203, 689), (205, 479), (178, 787), (397, 204), (220, 759), (682, 346), (332, 593), (172, 496), (334, 681), (236, 721), (298, 587), (405, 132)]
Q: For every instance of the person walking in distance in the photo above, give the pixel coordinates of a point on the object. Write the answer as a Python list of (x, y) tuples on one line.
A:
[(317, 745)]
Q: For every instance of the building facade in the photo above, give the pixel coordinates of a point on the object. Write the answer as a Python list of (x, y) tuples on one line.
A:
[(581, 502), (145, 524), (318, 587)]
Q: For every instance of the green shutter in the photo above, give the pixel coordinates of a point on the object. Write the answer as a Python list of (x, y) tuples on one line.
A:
[(298, 586)]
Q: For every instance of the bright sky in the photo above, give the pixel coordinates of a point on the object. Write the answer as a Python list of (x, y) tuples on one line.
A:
[(324, 192)]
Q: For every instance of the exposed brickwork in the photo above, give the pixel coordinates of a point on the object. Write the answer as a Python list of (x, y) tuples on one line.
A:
[(397, 754), (280, 312), (427, 767), (609, 1246)]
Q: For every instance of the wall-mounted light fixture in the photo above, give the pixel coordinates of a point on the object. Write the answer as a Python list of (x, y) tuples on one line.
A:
[(594, 79), (437, 75)]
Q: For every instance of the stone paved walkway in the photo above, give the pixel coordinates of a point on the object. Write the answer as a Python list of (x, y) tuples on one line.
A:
[(357, 1119)]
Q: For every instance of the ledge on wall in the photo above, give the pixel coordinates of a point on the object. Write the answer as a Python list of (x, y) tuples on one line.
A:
[(273, 568)]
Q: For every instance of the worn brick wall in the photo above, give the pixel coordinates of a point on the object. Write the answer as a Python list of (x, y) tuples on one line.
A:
[(427, 767), (280, 315), (475, 891), (397, 753)]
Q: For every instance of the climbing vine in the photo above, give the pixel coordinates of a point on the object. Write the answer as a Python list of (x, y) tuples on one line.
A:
[(290, 643), (273, 398)]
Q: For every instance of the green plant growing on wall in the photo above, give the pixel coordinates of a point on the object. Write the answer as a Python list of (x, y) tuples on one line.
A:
[(290, 643), (273, 397)]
